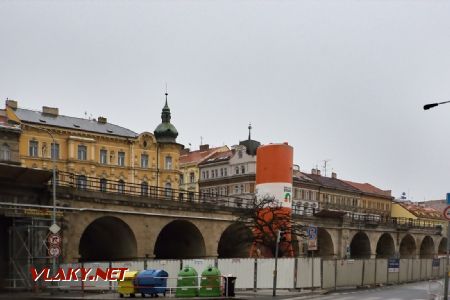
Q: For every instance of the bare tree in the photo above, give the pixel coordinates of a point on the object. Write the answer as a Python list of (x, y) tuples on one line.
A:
[(265, 217)]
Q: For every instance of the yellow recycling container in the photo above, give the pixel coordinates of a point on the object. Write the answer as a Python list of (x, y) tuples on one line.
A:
[(126, 287)]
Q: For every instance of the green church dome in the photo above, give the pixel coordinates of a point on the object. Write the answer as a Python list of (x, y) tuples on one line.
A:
[(166, 132)]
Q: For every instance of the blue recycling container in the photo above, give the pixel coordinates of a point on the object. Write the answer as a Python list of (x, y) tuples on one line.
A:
[(151, 282)]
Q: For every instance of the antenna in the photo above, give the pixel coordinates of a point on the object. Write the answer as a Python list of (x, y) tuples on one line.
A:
[(325, 161)]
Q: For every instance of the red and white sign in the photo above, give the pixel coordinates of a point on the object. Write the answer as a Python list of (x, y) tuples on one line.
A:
[(447, 213), (54, 251), (54, 239)]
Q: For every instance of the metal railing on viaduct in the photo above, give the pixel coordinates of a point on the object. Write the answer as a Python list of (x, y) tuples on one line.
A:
[(86, 183)]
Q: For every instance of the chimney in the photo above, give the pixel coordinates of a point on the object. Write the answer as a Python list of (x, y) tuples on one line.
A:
[(314, 171), (333, 175), (185, 151), (204, 147), (318, 172), (102, 120), (11, 103), (51, 111)]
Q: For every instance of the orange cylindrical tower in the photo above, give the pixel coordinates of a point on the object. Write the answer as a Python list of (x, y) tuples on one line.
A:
[(274, 180)]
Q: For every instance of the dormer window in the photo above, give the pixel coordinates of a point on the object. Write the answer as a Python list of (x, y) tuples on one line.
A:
[(240, 154)]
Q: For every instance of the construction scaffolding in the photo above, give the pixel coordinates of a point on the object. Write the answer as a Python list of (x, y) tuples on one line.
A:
[(27, 239)]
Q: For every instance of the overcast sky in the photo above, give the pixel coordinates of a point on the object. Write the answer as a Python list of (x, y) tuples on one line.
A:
[(340, 80)]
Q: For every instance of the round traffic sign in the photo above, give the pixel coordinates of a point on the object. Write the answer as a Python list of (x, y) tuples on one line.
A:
[(447, 213), (54, 251), (54, 239)]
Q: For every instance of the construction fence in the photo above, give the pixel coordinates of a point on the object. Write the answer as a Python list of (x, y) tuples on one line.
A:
[(293, 273)]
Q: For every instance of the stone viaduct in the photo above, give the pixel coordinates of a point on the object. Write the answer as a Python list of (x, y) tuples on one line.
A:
[(106, 226)]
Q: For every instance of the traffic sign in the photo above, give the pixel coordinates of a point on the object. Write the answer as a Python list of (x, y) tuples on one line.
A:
[(447, 213), (54, 251), (312, 245), (54, 228), (54, 239), (312, 232)]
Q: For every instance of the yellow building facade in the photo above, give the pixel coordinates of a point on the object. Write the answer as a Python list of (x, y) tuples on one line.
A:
[(408, 212), (190, 172), (99, 154)]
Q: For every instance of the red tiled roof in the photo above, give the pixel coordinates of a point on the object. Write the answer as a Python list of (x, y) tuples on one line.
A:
[(422, 212), (368, 188), (197, 156), (218, 156)]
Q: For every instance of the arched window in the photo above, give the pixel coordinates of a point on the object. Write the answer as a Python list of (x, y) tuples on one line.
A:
[(121, 186), (5, 152), (144, 188), (168, 190), (81, 182), (103, 183)]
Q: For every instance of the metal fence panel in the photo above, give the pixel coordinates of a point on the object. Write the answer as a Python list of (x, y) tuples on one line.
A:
[(285, 274), (199, 264), (99, 284), (73, 284), (328, 274), (382, 265), (349, 272), (416, 269), (429, 268), (265, 269), (369, 272), (306, 269), (404, 270), (242, 268), (171, 266)]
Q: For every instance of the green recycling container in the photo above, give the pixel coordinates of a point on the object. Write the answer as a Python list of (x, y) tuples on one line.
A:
[(210, 283), (187, 283)]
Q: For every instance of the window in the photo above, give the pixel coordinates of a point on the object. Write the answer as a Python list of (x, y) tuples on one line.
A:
[(33, 149), (225, 172), (82, 152), (168, 163), (236, 170), (144, 188), (236, 189), (240, 153), (207, 174), (144, 161), (216, 173), (243, 169), (121, 186), (81, 182), (5, 153), (191, 196), (121, 158), (103, 156), (212, 173), (168, 190), (203, 174), (181, 179), (192, 177), (221, 172), (103, 183), (242, 189), (54, 151)]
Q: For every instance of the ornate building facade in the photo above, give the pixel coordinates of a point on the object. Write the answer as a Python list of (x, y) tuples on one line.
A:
[(93, 148)]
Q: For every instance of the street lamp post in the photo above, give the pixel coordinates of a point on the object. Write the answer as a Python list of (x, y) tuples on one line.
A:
[(426, 107), (274, 289), (53, 156)]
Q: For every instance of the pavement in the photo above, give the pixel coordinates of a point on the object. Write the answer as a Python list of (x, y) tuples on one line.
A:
[(246, 294)]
